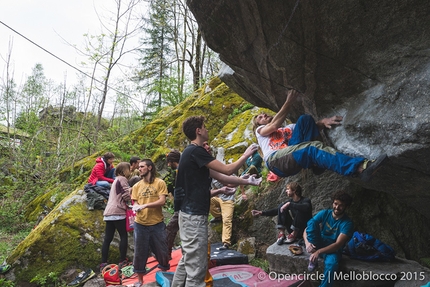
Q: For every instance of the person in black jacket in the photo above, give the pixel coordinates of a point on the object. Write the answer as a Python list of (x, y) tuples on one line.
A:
[(293, 214)]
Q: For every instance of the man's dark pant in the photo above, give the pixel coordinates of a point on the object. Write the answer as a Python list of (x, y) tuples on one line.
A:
[(172, 229), (150, 237), (285, 221)]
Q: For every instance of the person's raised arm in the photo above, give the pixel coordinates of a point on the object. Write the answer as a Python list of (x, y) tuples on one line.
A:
[(234, 180), (231, 168), (281, 115)]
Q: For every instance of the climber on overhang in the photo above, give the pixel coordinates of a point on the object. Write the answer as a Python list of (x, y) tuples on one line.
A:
[(287, 150)]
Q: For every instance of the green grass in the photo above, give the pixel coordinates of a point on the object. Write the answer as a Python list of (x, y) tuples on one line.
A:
[(260, 263), (8, 241)]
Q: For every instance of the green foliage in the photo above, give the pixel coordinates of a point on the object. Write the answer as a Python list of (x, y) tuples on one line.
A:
[(50, 280), (28, 122), (6, 283), (236, 111), (260, 263)]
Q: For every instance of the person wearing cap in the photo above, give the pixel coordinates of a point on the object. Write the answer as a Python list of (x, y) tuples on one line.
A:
[(172, 228)]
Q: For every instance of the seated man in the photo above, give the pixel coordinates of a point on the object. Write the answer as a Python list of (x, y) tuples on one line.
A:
[(326, 234), (287, 150), (293, 214)]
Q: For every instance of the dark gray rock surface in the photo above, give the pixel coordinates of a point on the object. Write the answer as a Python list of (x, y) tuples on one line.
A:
[(351, 273), (365, 60), (368, 61)]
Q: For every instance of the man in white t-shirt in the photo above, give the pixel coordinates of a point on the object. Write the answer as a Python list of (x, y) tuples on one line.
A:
[(289, 149)]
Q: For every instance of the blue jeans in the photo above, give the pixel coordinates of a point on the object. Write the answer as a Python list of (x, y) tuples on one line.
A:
[(104, 183), (331, 260), (308, 152), (150, 237)]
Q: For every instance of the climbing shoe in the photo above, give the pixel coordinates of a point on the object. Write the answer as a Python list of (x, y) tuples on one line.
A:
[(371, 167), (82, 277), (312, 265), (281, 239)]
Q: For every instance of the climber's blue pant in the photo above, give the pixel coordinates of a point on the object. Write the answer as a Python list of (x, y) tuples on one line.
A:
[(304, 151), (331, 260)]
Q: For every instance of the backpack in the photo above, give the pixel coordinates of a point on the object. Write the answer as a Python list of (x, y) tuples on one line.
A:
[(365, 247), (96, 201), (112, 275)]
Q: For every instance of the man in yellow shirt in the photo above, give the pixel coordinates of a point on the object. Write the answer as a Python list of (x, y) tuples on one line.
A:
[(149, 196)]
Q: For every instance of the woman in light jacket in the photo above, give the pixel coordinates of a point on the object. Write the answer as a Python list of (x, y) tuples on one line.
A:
[(115, 214)]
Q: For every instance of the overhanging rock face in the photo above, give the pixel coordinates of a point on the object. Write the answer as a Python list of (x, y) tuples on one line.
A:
[(368, 61)]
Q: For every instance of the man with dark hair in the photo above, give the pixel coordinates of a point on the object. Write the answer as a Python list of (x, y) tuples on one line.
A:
[(293, 214), (289, 149), (149, 196), (134, 171), (192, 198), (326, 234), (134, 165), (172, 228)]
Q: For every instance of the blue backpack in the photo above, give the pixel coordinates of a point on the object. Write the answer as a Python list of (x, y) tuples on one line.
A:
[(365, 247)]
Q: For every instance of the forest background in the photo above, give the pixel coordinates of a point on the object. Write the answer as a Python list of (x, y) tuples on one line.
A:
[(48, 126)]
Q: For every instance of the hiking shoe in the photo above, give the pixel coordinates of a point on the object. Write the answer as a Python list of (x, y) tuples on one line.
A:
[(312, 265), (223, 247), (102, 266), (290, 238), (124, 263), (82, 277), (4, 268), (371, 167), (215, 219), (281, 238)]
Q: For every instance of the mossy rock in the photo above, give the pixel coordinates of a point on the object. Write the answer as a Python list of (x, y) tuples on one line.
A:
[(69, 236)]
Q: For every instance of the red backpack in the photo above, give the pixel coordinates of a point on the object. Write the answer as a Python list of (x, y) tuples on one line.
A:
[(112, 275)]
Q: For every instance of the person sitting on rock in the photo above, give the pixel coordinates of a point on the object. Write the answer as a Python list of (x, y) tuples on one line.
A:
[(326, 234), (287, 150), (103, 173), (293, 214)]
